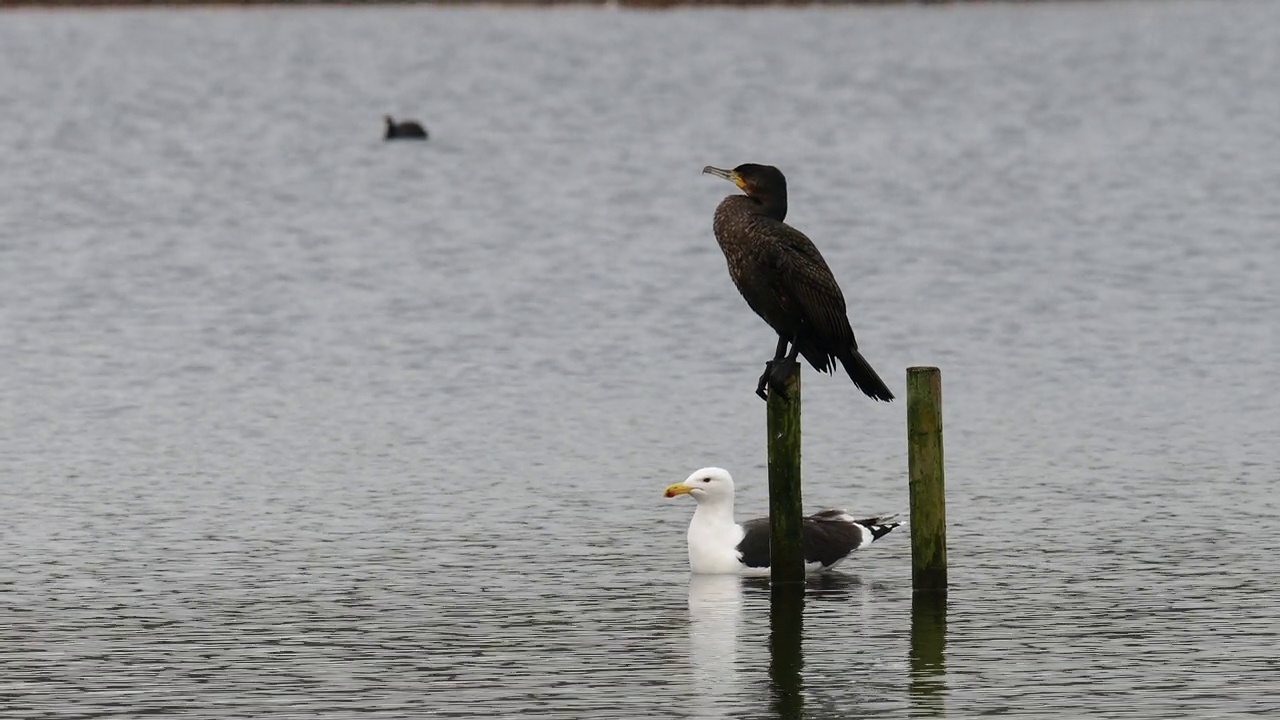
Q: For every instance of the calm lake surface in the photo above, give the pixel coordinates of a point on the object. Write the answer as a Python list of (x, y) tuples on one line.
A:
[(298, 423)]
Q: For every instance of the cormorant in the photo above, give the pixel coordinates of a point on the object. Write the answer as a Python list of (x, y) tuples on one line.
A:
[(786, 282), (407, 130)]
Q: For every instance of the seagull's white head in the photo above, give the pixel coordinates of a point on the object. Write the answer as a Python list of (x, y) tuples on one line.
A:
[(711, 483)]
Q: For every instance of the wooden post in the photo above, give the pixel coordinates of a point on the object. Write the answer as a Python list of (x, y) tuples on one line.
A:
[(924, 464), (786, 557)]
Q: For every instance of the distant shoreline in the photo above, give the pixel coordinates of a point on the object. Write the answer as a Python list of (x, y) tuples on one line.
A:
[(5, 4)]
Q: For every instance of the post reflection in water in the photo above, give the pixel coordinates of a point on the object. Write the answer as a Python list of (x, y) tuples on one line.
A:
[(928, 687), (786, 660), (715, 603)]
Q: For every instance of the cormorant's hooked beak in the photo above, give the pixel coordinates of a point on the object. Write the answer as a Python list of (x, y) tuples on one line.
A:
[(729, 175), (679, 488)]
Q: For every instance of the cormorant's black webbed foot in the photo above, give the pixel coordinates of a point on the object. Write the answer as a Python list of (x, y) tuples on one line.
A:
[(769, 379), (778, 372), (761, 387)]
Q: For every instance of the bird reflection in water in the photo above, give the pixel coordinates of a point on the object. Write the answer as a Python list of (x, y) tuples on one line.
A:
[(786, 630), (715, 604)]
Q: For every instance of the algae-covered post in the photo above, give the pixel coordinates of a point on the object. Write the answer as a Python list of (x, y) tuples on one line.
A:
[(924, 464), (786, 556)]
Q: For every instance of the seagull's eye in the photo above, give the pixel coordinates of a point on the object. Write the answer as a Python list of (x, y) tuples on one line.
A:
[(706, 480)]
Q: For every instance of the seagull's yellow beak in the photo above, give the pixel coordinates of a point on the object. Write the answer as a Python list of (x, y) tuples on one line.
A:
[(729, 175), (677, 489)]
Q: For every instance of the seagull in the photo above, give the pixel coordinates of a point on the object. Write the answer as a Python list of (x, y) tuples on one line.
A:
[(720, 546)]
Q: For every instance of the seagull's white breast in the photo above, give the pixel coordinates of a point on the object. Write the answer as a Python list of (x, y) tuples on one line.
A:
[(713, 546)]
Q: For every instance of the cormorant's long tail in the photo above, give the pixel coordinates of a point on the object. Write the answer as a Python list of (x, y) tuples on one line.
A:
[(864, 377)]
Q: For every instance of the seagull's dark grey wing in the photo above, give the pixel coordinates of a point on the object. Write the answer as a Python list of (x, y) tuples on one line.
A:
[(827, 537), (754, 547)]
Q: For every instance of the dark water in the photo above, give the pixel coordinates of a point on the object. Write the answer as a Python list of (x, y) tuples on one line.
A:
[(294, 423)]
